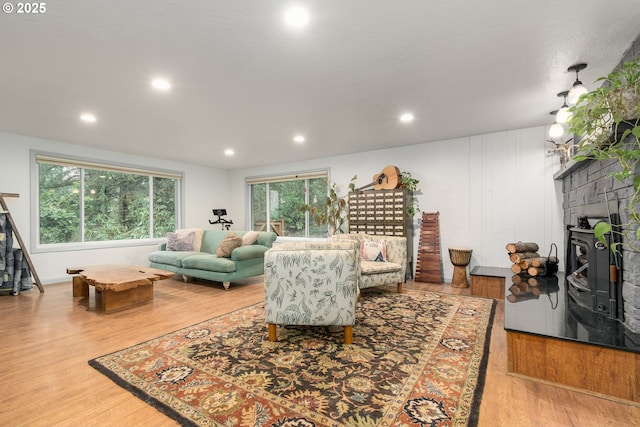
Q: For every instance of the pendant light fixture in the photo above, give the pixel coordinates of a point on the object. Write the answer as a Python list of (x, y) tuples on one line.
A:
[(578, 88), (563, 114), (556, 130)]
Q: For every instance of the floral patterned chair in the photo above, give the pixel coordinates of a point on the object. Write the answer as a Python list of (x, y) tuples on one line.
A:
[(391, 269), (313, 284)]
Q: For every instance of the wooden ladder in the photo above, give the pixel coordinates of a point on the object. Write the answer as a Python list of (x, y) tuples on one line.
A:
[(429, 262), (25, 253)]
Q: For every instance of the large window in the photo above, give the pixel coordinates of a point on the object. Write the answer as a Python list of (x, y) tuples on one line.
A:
[(278, 203), (81, 202)]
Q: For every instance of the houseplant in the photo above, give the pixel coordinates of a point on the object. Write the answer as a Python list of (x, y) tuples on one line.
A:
[(410, 183), (332, 211), (607, 121)]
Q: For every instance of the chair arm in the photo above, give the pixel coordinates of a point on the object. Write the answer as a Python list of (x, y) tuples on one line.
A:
[(396, 248)]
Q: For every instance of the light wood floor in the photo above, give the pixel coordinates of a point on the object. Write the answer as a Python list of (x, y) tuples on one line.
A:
[(47, 339)]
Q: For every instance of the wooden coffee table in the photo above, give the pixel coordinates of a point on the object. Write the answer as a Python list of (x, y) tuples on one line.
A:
[(120, 285)]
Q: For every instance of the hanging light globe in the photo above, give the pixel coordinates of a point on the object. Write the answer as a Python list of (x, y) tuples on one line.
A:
[(563, 115), (578, 89), (576, 92), (556, 130)]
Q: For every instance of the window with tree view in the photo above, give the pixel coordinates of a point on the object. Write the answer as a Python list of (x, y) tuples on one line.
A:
[(86, 202), (279, 204)]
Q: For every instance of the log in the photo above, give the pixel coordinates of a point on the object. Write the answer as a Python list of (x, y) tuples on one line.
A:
[(526, 263), (516, 279), (522, 247), (536, 271), (516, 257), (516, 268), (540, 262)]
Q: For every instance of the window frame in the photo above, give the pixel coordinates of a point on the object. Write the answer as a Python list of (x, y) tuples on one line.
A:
[(291, 176), (90, 163)]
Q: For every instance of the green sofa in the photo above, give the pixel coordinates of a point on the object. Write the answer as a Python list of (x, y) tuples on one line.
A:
[(244, 261)]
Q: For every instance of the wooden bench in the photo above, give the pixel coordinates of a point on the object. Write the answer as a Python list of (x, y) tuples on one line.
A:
[(489, 282)]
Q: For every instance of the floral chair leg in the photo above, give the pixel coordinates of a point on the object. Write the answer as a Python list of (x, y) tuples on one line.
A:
[(272, 332), (348, 334), (400, 287)]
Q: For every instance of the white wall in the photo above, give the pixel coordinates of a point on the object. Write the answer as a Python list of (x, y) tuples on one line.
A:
[(203, 190), (489, 189)]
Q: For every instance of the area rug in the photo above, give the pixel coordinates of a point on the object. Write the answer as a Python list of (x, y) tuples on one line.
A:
[(417, 358)]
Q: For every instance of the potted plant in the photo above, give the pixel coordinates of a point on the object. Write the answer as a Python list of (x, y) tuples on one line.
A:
[(410, 183), (332, 211), (607, 121)]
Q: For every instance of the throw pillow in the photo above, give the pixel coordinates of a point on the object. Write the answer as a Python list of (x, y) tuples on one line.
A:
[(373, 251), (249, 238), (197, 240), (228, 244), (180, 241)]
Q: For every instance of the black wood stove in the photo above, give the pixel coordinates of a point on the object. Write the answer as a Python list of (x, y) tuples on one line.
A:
[(593, 271)]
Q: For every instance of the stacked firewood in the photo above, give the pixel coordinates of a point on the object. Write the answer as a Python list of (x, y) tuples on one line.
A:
[(527, 261)]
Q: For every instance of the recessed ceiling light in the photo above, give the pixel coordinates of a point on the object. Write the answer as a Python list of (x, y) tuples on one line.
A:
[(88, 117), (299, 139), (161, 83), (296, 17), (229, 152), (407, 117)]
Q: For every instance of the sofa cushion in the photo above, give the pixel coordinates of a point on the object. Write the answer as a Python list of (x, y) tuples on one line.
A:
[(228, 244), (197, 240), (209, 262), (373, 250), (249, 238), (181, 241), (374, 267), (170, 257)]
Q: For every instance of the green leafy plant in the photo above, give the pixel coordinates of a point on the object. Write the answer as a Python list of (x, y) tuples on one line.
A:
[(333, 210), (607, 121), (410, 183)]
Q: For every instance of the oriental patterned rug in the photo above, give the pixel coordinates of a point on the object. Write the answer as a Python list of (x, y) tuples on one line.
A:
[(417, 358)]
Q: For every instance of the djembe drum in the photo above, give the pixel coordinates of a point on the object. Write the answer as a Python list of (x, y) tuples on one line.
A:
[(460, 258)]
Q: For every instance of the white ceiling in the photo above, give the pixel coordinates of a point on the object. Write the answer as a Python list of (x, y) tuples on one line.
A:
[(243, 80)]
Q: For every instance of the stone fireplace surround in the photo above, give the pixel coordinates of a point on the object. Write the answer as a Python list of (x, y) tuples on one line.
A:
[(583, 187)]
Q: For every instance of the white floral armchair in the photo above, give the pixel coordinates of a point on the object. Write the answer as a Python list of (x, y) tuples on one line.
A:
[(376, 273), (311, 283)]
